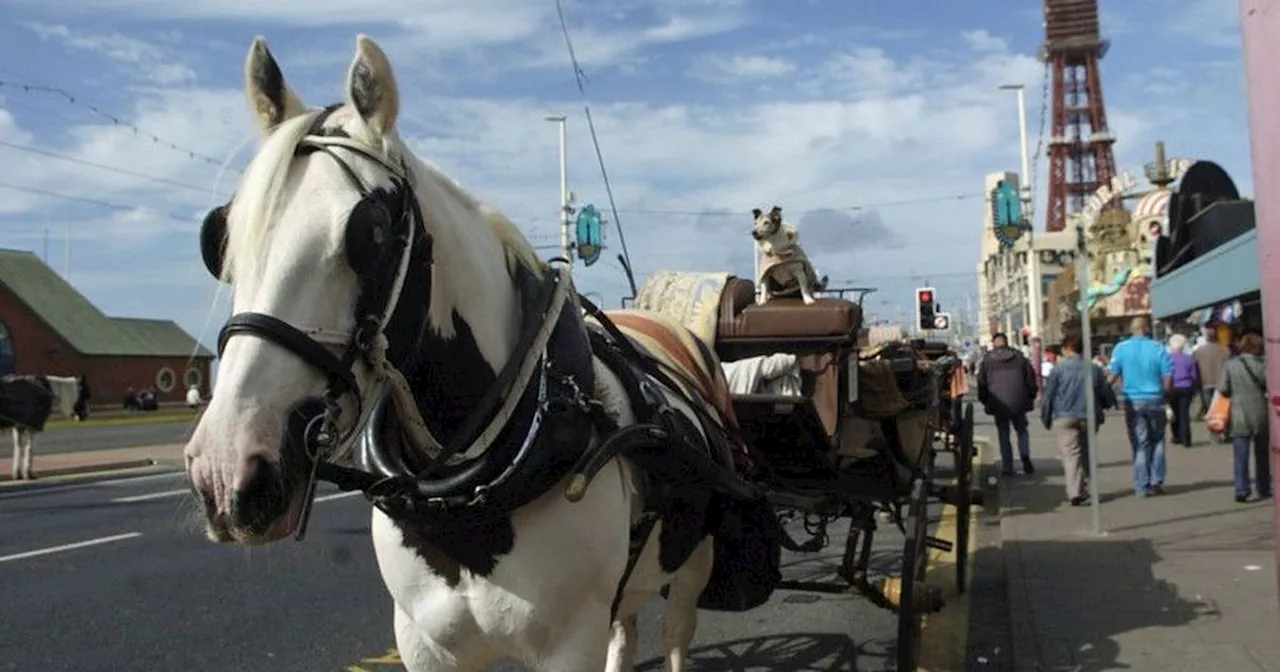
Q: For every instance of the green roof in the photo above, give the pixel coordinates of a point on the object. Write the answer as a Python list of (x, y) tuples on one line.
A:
[(73, 317), (164, 337)]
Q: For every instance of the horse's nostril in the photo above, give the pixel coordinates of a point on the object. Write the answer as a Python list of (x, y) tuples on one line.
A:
[(259, 497), (254, 477)]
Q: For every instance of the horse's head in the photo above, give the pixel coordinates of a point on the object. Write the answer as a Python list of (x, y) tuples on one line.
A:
[(317, 244), (353, 263)]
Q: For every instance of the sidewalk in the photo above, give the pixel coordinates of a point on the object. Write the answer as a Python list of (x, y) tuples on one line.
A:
[(67, 464), (1184, 581)]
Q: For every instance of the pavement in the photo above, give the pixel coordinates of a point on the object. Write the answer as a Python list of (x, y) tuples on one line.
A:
[(81, 438), (122, 563), (1182, 581)]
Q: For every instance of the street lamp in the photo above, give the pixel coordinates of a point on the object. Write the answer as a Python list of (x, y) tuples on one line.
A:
[(565, 249), (1028, 210)]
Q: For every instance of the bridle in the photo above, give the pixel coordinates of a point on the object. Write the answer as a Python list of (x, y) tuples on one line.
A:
[(379, 247)]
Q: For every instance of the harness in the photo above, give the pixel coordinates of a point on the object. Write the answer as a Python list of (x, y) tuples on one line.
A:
[(530, 430)]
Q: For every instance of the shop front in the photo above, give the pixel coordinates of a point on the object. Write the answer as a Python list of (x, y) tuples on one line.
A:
[(1207, 261)]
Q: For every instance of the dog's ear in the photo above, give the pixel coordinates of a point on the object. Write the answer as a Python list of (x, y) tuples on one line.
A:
[(776, 214), (755, 213)]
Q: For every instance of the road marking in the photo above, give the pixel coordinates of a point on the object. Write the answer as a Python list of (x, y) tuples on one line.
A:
[(123, 481), (120, 482), (69, 547), (338, 495), (150, 495), (945, 635)]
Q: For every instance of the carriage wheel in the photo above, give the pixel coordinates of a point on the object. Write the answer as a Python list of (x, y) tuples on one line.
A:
[(915, 559), (964, 498)]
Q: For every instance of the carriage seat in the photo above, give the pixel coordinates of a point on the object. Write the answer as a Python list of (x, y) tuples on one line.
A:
[(746, 329)]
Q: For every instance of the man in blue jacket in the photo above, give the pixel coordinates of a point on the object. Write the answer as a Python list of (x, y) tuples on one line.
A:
[(1063, 412), (1145, 370)]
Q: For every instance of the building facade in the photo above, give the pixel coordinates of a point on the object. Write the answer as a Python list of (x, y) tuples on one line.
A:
[(48, 327), (1207, 271), (1004, 294)]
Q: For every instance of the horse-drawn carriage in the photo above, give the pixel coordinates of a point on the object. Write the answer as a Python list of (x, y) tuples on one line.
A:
[(845, 432)]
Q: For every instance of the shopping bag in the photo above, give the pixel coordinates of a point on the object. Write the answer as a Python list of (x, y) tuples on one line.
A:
[(1218, 416)]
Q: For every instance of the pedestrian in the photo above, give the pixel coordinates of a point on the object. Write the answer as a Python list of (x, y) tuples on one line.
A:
[(1210, 355), (1244, 383), (1007, 391), (1063, 413), (1186, 379), (1145, 371)]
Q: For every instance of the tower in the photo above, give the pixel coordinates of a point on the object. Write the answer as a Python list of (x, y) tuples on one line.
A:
[(1081, 157)]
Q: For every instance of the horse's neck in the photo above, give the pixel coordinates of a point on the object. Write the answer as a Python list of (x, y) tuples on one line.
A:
[(475, 309)]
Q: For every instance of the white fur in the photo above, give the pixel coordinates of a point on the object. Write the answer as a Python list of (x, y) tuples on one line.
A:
[(542, 604), (66, 390), (784, 260)]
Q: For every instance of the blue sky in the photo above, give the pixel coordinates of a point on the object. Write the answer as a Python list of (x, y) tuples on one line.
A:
[(705, 109)]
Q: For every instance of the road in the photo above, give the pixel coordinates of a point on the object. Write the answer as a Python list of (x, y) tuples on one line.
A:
[(117, 575), (102, 437)]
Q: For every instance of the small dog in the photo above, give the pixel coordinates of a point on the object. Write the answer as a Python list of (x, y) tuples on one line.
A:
[(786, 271)]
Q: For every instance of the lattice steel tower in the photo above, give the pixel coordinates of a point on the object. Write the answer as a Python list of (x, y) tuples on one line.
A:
[(1081, 157)]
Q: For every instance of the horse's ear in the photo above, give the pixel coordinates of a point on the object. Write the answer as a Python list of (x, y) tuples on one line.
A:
[(371, 87), (270, 98)]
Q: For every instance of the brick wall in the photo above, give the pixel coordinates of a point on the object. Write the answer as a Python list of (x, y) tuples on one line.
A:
[(37, 349), (109, 376)]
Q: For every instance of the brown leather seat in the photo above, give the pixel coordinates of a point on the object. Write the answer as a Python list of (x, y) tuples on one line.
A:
[(746, 329)]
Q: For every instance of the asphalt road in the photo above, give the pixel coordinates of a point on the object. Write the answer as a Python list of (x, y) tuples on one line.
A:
[(101, 437), (165, 599)]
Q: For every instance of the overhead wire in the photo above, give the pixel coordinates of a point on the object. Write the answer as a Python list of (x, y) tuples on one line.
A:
[(115, 119), (846, 208), (578, 77), (103, 166), (93, 201)]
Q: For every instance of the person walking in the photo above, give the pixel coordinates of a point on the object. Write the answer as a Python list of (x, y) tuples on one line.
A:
[(1145, 371), (1007, 390), (1210, 355), (1244, 383), (1063, 413), (1186, 379)]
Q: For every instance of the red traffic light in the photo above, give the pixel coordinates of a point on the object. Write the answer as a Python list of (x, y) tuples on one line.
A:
[(925, 296)]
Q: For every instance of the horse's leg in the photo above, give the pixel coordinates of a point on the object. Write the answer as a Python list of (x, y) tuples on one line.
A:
[(585, 644), (17, 455), (622, 646), (26, 455), (421, 654), (680, 617)]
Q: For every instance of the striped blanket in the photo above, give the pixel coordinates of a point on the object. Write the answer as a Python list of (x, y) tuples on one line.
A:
[(665, 339), (691, 299)]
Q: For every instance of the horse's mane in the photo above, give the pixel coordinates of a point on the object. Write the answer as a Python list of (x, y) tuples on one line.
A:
[(259, 191)]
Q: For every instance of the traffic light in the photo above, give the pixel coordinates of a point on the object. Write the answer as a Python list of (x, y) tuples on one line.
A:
[(925, 300)]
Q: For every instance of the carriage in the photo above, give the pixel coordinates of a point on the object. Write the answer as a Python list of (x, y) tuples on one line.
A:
[(848, 432)]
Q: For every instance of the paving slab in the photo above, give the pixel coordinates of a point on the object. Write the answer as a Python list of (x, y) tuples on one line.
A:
[(1183, 581)]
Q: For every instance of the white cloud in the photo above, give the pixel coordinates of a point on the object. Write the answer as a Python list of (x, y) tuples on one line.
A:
[(729, 68), (152, 63), (981, 40)]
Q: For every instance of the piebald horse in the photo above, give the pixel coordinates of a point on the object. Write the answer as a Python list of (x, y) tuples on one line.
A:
[(393, 334), (26, 402)]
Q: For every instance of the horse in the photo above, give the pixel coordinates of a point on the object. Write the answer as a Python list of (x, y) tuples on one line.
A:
[(538, 469), (26, 402), (785, 269)]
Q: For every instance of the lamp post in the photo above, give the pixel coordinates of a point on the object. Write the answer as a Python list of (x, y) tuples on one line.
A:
[(565, 247), (1260, 29), (1028, 210)]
